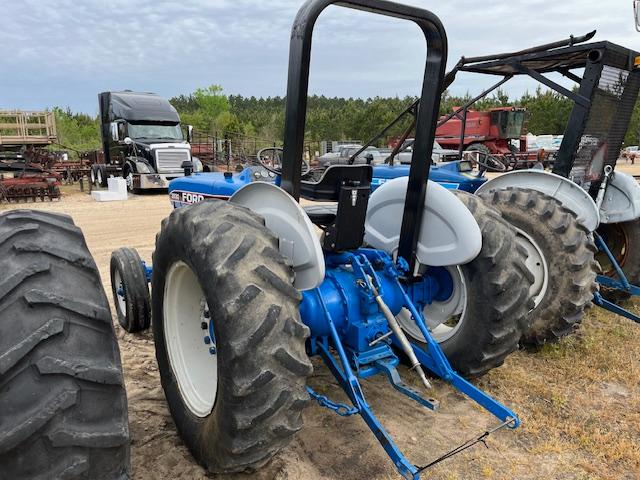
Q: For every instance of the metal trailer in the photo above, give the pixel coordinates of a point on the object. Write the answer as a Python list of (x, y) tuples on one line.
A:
[(26, 171)]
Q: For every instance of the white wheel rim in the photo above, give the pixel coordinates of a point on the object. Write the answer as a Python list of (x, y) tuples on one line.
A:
[(99, 177), (93, 176), (443, 319), (536, 264), (120, 293), (129, 181), (194, 365)]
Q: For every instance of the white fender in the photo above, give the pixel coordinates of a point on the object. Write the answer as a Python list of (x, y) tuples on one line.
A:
[(621, 201), (570, 194), (449, 234), (299, 242)]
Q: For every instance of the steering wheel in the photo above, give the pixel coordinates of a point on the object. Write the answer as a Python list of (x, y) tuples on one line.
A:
[(271, 159), (489, 162)]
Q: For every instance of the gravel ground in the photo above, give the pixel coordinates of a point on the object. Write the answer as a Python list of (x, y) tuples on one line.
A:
[(579, 401)]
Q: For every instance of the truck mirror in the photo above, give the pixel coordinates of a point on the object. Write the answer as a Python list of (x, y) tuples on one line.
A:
[(114, 131), (369, 158), (128, 141), (189, 133), (636, 14)]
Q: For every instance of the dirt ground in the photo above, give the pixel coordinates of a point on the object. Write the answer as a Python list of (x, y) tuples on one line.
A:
[(579, 401)]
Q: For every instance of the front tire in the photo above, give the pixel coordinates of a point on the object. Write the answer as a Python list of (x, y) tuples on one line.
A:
[(229, 340), (562, 254), (490, 301), (63, 407), (130, 290)]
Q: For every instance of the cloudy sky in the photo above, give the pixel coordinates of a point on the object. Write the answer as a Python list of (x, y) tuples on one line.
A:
[(63, 52)]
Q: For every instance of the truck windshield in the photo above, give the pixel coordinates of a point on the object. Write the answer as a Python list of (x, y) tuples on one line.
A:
[(168, 132)]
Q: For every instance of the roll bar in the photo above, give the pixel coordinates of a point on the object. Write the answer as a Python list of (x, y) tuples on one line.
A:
[(426, 118)]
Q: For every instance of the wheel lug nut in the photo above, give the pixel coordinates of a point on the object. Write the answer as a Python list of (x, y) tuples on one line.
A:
[(207, 340), (207, 314), (212, 350), (204, 325)]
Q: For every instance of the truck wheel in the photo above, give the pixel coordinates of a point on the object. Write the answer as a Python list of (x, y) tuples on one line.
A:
[(482, 321), (622, 239), (229, 340), (101, 175), (127, 174), (93, 174), (130, 290), (63, 407), (561, 256)]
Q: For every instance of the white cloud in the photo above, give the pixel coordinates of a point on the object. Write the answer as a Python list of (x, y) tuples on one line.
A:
[(63, 52)]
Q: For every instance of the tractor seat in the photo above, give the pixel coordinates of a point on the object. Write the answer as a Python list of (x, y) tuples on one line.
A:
[(322, 215), (327, 189)]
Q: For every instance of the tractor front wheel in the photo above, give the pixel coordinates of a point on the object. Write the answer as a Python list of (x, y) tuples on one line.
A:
[(229, 340), (561, 256), (130, 290), (483, 319)]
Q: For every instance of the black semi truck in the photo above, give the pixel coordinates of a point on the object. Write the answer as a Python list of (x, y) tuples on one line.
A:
[(142, 141)]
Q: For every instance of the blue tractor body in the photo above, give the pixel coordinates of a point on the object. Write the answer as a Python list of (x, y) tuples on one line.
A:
[(200, 186)]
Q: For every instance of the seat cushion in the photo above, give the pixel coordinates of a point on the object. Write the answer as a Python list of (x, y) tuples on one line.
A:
[(322, 215)]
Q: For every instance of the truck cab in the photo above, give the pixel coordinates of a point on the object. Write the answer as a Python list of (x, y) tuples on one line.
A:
[(142, 137)]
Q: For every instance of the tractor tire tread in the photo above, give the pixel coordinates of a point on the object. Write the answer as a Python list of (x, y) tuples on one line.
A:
[(571, 274), (258, 406), (63, 407)]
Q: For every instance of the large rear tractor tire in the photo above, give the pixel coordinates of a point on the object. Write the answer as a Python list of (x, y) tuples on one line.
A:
[(487, 313), (623, 239), (130, 290), (561, 255), (229, 340), (63, 407)]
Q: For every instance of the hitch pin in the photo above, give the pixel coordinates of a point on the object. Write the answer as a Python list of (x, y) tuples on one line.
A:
[(397, 330), (381, 338)]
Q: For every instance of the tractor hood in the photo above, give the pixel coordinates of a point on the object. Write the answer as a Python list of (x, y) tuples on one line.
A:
[(449, 176), (201, 186)]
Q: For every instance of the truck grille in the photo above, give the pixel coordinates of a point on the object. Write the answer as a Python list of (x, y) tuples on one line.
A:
[(170, 160)]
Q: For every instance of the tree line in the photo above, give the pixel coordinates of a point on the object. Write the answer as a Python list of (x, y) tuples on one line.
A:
[(211, 111)]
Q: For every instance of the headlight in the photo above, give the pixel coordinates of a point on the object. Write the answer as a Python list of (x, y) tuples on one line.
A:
[(258, 174), (197, 164), (142, 167)]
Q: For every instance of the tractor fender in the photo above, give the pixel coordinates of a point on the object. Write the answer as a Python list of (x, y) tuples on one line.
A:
[(298, 240), (570, 194), (621, 201), (449, 234)]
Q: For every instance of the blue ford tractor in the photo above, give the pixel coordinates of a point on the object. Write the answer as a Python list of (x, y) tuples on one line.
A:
[(248, 283)]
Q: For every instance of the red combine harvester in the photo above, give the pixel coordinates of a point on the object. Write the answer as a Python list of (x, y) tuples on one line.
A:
[(22, 175), (488, 132)]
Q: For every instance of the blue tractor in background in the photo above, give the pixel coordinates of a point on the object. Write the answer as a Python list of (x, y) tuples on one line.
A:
[(370, 272)]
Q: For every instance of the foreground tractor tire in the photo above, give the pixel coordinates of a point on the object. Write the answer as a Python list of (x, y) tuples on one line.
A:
[(561, 255), (130, 290), (490, 298), (63, 407), (229, 340), (622, 239)]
